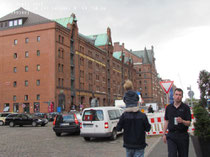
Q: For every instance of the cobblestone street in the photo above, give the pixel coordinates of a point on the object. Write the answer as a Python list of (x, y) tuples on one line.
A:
[(30, 141)]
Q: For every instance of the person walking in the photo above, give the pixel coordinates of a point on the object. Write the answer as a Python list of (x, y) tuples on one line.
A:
[(150, 109), (134, 123), (177, 121)]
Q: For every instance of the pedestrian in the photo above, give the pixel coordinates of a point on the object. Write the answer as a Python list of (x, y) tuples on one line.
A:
[(177, 121), (150, 109), (134, 124)]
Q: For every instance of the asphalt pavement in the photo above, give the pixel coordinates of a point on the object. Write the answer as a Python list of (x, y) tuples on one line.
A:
[(159, 149)]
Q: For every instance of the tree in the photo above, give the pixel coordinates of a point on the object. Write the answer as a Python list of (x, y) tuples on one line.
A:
[(204, 86)]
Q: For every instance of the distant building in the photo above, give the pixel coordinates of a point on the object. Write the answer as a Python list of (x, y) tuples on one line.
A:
[(147, 76)]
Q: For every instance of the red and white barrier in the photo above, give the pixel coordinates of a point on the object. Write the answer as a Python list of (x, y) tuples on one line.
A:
[(157, 123)]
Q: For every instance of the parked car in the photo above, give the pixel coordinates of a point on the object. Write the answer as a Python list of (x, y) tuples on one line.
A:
[(66, 123), (24, 119), (3, 116), (100, 122), (52, 115)]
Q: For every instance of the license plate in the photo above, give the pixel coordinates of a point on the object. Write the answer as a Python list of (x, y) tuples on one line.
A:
[(88, 126), (64, 124)]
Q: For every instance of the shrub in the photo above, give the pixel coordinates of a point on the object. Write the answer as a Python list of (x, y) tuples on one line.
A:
[(202, 123)]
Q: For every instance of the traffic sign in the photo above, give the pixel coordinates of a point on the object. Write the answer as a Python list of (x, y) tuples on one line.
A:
[(166, 85)]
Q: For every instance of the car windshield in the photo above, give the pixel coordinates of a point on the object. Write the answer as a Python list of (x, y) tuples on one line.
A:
[(68, 118), (93, 115)]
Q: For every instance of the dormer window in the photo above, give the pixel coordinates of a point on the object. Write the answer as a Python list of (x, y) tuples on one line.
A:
[(20, 21), (15, 22), (10, 23)]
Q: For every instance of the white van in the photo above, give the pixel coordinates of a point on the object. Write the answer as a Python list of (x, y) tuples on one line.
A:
[(100, 122)]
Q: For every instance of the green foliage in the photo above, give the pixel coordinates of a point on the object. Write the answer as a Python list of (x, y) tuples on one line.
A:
[(202, 124), (204, 86)]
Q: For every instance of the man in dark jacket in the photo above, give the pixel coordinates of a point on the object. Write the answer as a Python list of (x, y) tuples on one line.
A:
[(134, 123)]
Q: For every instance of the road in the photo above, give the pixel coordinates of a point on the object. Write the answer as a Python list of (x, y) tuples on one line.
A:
[(39, 141)]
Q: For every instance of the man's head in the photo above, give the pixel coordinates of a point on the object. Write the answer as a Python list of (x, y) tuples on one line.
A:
[(128, 85), (178, 95)]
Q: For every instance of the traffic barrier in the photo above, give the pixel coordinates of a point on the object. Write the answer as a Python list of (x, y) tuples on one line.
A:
[(157, 123)]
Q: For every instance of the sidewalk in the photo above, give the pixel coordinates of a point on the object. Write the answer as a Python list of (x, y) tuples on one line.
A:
[(156, 148)]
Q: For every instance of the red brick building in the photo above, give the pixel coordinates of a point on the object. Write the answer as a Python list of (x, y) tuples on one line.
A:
[(45, 64), (147, 76)]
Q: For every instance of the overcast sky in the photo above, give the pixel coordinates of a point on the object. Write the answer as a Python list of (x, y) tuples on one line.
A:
[(179, 30)]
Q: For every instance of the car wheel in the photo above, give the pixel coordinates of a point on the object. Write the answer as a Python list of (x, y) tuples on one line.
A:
[(34, 124), (11, 124), (1, 123), (114, 135), (87, 138), (58, 134), (43, 125)]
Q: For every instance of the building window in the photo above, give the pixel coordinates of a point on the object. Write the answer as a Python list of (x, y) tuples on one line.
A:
[(90, 76), (62, 82), (59, 38), (82, 49), (90, 64), (15, 42), (81, 61), (15, 22), (38, 67), (14, 97), (59, 82), (62, 54), (26, 83), (62, 40), (15, 55), (14, 69), (59, 53), (38, 97), (62, 66), (38, 38), (59, 67), (36, 107), (81, 73), (26, 40), (26, 68), (20, 22), (26, 54), (97, 77), (10, 23), (15, 84), (38, 82), (38, 52), (26, 97)]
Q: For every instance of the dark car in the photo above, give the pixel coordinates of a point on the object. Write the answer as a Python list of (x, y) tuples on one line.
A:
[(52, 115), (24, 119), (66, 123)]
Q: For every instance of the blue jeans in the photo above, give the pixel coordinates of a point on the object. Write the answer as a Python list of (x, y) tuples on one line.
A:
[(134, 152)]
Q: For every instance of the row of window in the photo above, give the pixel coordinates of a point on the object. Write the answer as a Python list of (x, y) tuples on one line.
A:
[(15, 55), (26, 83), (26, 68), (90, 53), (38, 38), (26, 97), (12, 23)]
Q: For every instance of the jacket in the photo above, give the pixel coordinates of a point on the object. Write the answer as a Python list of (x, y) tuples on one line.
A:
[(131, 99), (135, 125)]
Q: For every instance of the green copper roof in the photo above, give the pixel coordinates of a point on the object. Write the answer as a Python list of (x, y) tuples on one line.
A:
[(100, 39), (64, 21), (117, 55)]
